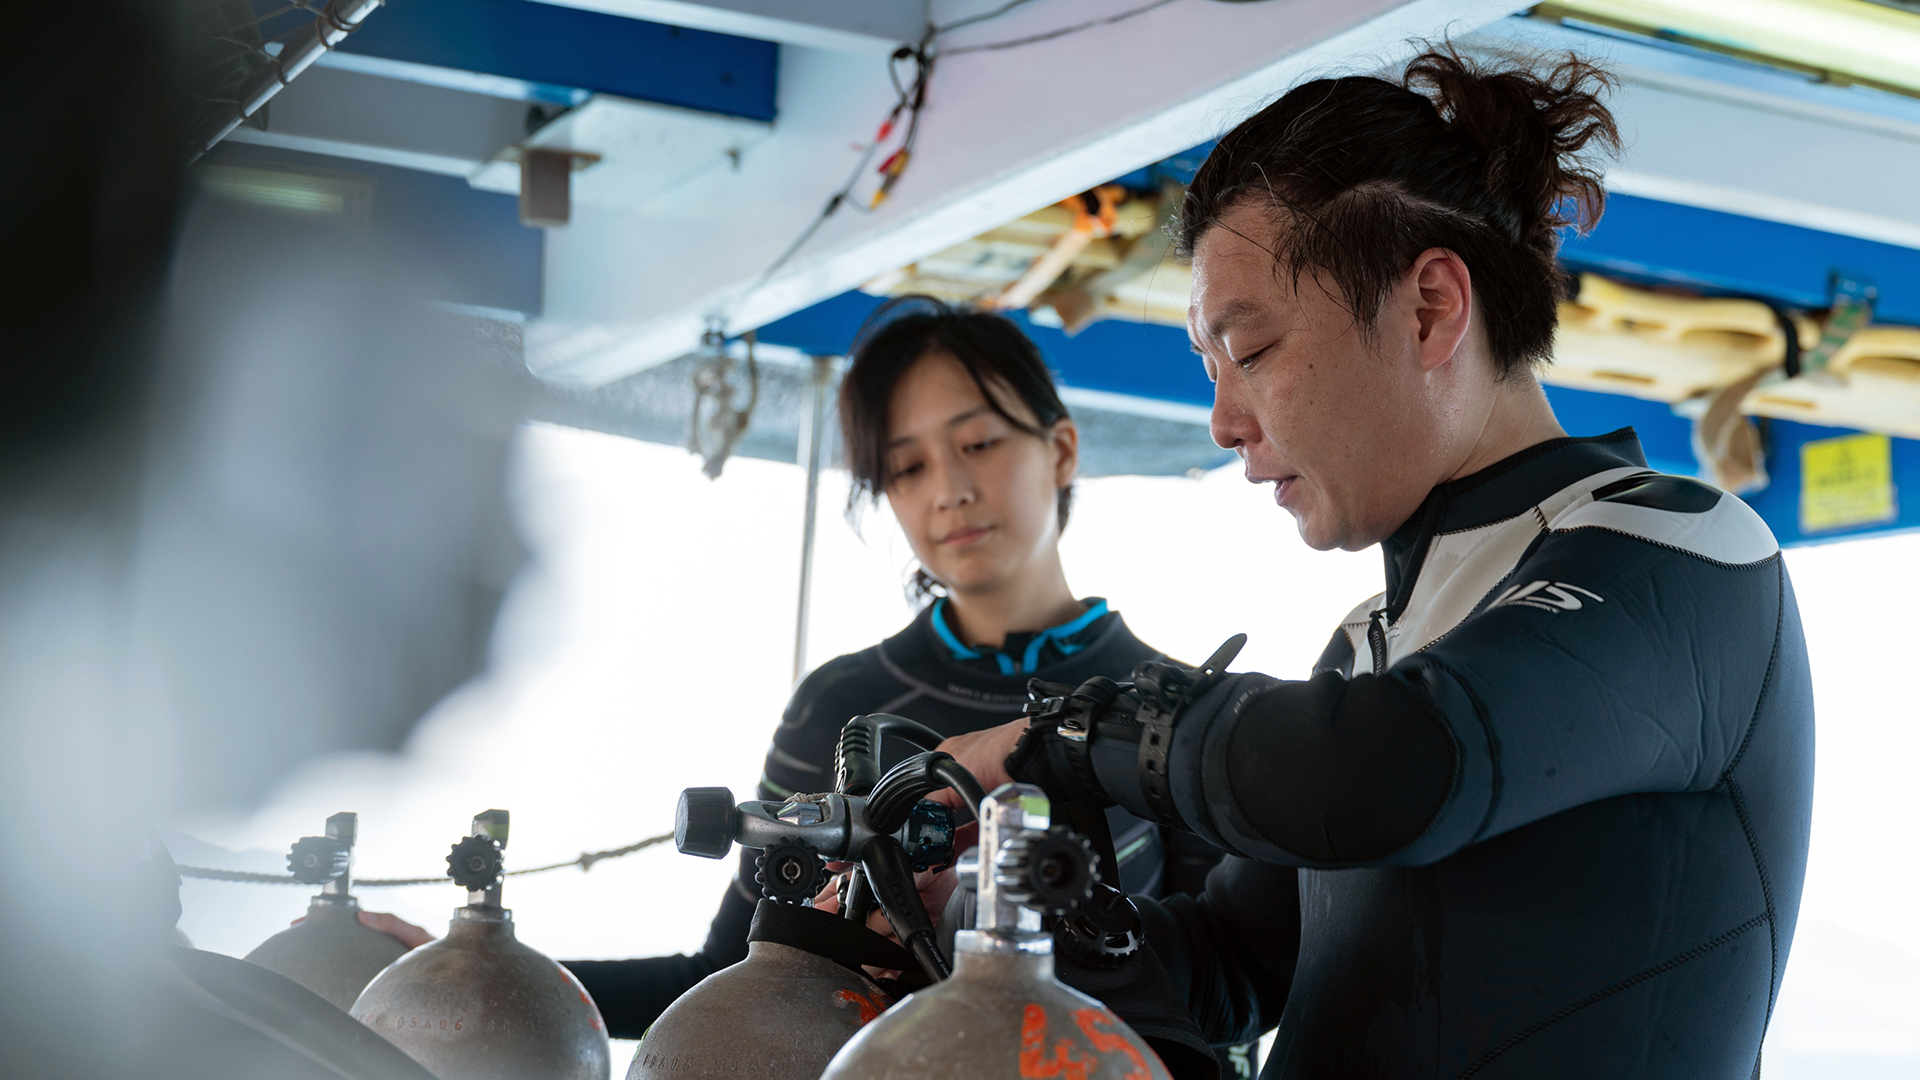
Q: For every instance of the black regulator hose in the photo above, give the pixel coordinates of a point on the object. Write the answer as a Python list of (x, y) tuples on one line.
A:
[(856, 759), (905, 784), (892, 880)]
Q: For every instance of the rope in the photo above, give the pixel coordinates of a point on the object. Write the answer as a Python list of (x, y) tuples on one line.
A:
[(585, 862)]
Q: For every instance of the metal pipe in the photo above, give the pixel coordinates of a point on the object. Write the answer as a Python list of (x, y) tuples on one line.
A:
[(812, 440), (329, 28)]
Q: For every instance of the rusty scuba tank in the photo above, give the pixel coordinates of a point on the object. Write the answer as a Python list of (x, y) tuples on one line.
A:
[(1003, 1013), (801, 993), (329, 952), (479, 1005)]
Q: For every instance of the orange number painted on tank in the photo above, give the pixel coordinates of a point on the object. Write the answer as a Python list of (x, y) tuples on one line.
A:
[(869, 1007), (1091, 1020), (1064, 1063)]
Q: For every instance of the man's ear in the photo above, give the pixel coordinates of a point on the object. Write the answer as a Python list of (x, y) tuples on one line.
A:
[(1442, 297), (1065, 440)]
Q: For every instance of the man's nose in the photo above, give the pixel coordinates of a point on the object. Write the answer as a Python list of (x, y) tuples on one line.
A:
[(1231, 423)]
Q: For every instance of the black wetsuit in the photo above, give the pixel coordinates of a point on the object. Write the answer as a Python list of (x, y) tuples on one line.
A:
[(1541, 811), (949, 687)]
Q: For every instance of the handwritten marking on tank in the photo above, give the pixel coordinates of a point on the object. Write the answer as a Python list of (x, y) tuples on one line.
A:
[(1092, 1020), (578, 988), (424, 1023), (1065, 1064), (869, 1007)]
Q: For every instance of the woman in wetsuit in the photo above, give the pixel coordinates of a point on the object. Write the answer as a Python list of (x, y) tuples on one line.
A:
[(953, 417)]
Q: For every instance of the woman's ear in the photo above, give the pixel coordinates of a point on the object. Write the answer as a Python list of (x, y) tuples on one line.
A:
[(1065, 440)]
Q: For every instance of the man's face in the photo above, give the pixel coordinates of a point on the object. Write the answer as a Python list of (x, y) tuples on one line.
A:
[(1340, 424)]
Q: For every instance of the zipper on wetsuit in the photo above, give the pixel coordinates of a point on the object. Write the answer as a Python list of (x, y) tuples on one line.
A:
[(1377, 639)]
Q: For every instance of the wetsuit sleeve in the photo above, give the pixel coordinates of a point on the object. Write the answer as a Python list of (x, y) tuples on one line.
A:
[(1604, 665), (631, 994), (1230, 950)]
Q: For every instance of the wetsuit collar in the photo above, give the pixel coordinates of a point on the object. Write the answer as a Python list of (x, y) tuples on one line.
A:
[(1060, 637), (1509, 487)]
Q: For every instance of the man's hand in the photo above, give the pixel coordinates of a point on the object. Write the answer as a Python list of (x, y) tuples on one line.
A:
[(984, 754)]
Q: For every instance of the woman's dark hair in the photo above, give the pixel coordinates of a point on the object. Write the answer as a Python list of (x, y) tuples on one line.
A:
[(1363, 175), (996, 355)]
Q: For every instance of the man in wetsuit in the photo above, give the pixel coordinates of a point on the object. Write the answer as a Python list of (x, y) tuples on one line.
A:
[(1542, 808)]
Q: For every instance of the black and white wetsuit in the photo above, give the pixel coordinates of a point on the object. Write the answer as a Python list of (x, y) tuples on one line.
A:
[(925, 673), (1541, 811)]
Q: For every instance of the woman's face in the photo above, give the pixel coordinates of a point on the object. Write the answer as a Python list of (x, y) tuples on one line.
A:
[(975, 495)]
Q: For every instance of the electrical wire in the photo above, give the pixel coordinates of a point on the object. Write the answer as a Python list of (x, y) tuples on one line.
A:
[(910, 98), (1034, 39), (972, 19)]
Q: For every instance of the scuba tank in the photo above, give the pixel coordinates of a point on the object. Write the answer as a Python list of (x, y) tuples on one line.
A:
[(329, 952), (478, 1004), (1003, 1013), (801, 993)]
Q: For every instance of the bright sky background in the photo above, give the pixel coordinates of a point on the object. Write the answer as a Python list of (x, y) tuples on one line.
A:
[(648, 647)]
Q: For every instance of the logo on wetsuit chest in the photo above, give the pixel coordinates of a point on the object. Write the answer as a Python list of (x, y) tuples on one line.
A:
[(1546, 595)]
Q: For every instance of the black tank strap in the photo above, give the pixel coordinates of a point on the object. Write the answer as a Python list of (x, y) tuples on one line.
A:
[(848, 944)]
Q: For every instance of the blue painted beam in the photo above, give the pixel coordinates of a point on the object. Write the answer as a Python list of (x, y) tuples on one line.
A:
[(1660, 242), (566, 47)]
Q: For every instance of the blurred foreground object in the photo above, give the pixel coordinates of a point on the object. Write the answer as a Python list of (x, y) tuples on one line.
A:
[(478, 1004), (228, 540), (330, 952), (1002, 1013)]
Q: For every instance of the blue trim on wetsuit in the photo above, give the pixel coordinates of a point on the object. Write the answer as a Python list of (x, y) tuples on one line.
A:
[(1030, 659)]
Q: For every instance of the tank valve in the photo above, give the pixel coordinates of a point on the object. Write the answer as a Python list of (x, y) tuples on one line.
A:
[(1003, 980), (478, 1004), (329, 951)]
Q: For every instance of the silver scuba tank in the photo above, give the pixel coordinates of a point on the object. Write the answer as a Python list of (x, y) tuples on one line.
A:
[(1003, 1013), (801, 993), (479, 1005), (329, 952), (777, 1015)]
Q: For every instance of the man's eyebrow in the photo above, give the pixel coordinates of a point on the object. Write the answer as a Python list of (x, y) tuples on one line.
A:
[(1231, 314)]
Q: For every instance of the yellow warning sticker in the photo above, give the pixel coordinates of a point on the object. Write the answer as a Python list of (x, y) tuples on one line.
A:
[(1846, 481)]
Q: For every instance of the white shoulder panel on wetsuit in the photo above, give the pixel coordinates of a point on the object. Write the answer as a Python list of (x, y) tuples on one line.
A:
[(1730, 532)]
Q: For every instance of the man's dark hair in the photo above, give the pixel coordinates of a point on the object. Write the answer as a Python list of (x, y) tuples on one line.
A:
[(996, 355), (1363, 175)]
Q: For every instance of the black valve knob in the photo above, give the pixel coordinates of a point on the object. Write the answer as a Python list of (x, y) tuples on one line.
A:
[(790, 872), (476, 863), (1052, 872), (316, 860), (705, 822), (1105, 933)]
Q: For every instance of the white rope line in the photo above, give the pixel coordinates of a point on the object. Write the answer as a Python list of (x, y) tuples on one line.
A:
[(585, 862)]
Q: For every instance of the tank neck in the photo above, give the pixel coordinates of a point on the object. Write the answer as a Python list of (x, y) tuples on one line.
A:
[(1002, 959), (481, 919)]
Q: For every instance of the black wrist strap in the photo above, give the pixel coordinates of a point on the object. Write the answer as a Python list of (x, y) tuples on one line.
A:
[(1156, 741), (1166, 689)]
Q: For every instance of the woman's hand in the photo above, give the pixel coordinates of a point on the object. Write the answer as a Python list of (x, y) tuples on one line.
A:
[(984, 754), (934, 886), (396, 928)]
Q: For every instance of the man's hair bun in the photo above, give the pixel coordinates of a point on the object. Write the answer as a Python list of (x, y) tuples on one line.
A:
[(1489, 161), (1530, 129)]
